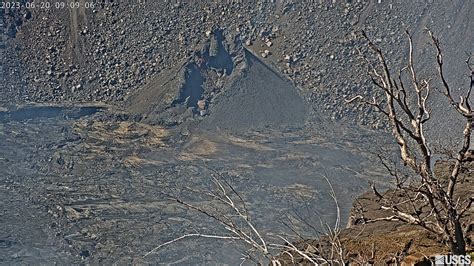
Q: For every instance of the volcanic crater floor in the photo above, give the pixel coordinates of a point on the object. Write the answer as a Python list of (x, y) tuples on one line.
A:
[(94, 189)]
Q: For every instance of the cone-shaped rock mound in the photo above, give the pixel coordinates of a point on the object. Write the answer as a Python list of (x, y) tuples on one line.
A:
[(253, 96)]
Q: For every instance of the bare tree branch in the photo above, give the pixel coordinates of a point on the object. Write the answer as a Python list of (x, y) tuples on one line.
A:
[(429, 202)]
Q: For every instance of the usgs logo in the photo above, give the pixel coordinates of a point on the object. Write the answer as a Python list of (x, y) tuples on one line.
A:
[(453, 260)]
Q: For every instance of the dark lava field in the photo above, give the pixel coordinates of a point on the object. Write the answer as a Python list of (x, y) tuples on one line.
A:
[(81, 185), (109, 113)]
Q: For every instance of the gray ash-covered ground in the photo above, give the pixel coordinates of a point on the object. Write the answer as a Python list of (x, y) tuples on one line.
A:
[(95, 186), (253, 90)]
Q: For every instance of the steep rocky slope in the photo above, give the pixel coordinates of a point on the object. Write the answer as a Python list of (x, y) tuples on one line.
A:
[(106, 52)]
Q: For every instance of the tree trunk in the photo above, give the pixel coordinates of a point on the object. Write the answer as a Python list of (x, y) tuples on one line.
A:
[(458, 247)]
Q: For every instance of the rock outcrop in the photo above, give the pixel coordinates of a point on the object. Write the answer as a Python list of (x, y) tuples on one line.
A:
[(393, 242)]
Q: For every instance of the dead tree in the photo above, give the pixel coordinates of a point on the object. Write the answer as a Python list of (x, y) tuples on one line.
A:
[(229, 211), (428, 200)]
